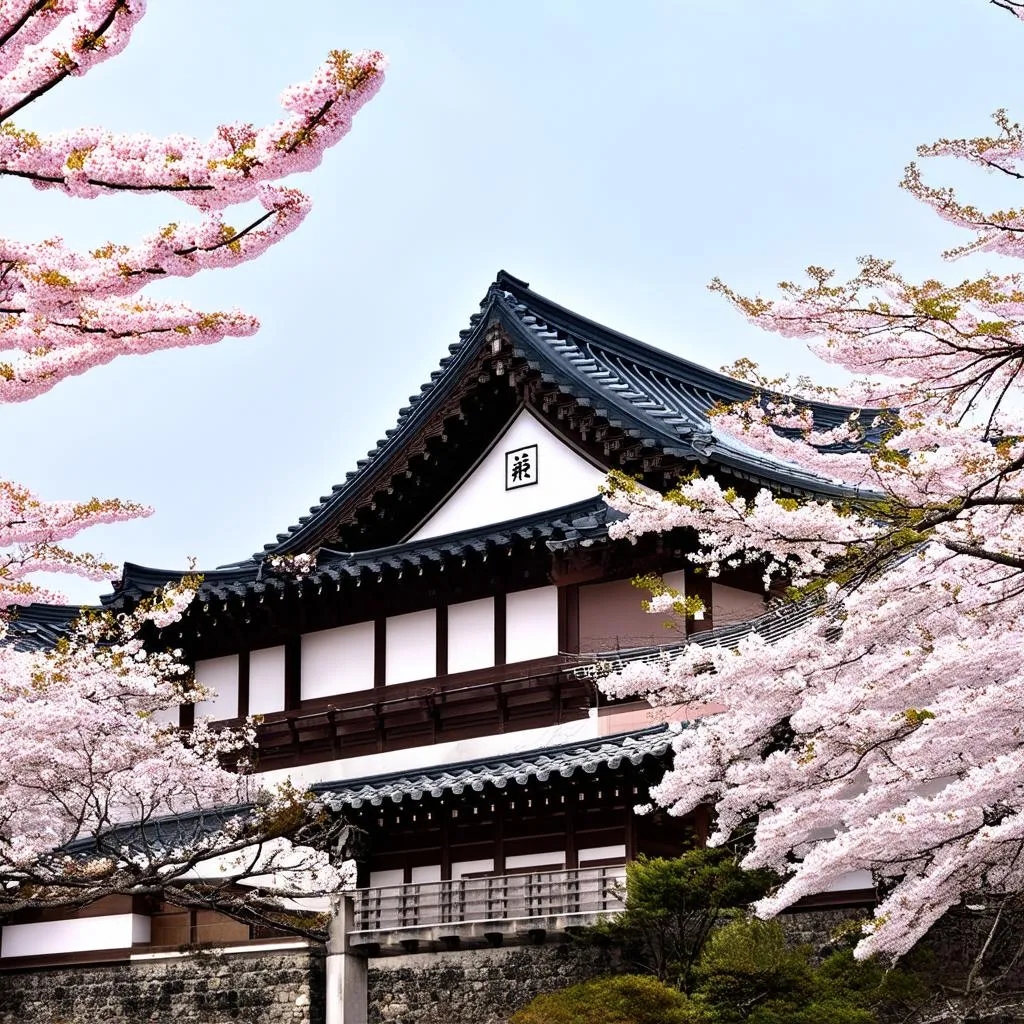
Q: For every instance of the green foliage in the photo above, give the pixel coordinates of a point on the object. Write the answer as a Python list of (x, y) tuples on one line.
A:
[(748, 974), (628, 999), (671, 906)]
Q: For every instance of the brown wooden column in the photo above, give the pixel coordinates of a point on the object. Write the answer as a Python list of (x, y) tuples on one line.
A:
[(441, 616), (293, 674), (243, 684), (446, 844), (698, 585), (500, 620), (380, 650), (569, 618), (630, 822), (572, 857)]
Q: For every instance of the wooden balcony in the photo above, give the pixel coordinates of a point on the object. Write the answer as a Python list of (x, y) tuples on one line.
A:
[(528, 907), (496, 700)]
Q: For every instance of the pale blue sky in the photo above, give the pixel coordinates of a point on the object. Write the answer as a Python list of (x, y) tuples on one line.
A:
[(617, 156)]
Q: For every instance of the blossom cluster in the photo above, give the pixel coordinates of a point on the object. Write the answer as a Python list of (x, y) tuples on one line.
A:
[(883, 733)]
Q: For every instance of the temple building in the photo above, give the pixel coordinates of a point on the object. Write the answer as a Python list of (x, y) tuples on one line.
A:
[(432, 673)]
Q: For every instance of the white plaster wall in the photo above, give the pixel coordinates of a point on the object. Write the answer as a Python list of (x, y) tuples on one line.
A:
[(394, 876), (411, 646), (554, 859), (220, 674), (337, 660), (111, 931), (563, 477), (471, 867), (266, 681), (531, 624), (426, 873), (601, 852), (730, 605), (471, 635)]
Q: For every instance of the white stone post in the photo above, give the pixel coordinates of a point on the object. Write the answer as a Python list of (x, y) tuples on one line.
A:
[(346, 971)]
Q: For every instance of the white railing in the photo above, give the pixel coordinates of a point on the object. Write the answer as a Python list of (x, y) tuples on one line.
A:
[(533, 894)]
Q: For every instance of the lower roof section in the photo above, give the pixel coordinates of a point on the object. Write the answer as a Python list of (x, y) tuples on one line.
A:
[(499, 772)]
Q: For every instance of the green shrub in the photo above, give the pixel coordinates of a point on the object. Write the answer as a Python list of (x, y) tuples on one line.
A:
[(672, 905), (627, 999)]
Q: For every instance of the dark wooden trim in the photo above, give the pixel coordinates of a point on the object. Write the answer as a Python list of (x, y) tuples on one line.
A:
[(569, 619), (380, 650), (499, 834), (631, 839), (698, 584), (243, 684), (571, 849), (500, 625), (293, 674), (441, 643), (446, 846)]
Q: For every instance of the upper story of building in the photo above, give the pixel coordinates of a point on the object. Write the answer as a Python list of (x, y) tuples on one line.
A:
[(456, 578)]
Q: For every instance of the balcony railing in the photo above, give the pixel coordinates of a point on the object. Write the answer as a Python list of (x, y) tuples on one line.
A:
[(535, 894)]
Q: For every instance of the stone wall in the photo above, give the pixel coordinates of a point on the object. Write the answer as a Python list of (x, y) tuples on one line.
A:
[(484, 986), (254, 988)]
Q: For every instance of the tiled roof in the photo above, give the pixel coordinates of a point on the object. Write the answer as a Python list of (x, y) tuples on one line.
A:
[(38, 626), (564, 761), (659, 399), (582, 522)]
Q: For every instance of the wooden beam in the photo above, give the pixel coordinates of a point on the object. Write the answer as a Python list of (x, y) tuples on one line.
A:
[(380, 650), (698, 585), (499, 628), (243, 684), (293, 674), (442, 640)]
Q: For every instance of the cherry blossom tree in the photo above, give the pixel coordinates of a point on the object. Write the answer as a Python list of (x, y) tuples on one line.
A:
[(83, 749), (884, 732)]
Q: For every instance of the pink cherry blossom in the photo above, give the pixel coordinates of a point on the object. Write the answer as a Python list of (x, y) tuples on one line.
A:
[(883, 732), (86, 745)]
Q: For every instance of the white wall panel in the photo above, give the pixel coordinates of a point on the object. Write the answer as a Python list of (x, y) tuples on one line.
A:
[(111, 931), (411, 646), (337, 660), (220, 674), (554, 859), (531, 624), (394, 876), (471, 867), (561, 478), (616, 851), (266, 681), (425, 873), (471, 635)]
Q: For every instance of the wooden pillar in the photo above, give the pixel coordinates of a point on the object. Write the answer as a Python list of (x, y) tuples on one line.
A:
[(380, 650), (572, 800), (499, 832), (499, 628), (569, 619), (442, 640), (446, 844), (293, 674), (630, 822), (698, 585), (243, 684)]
